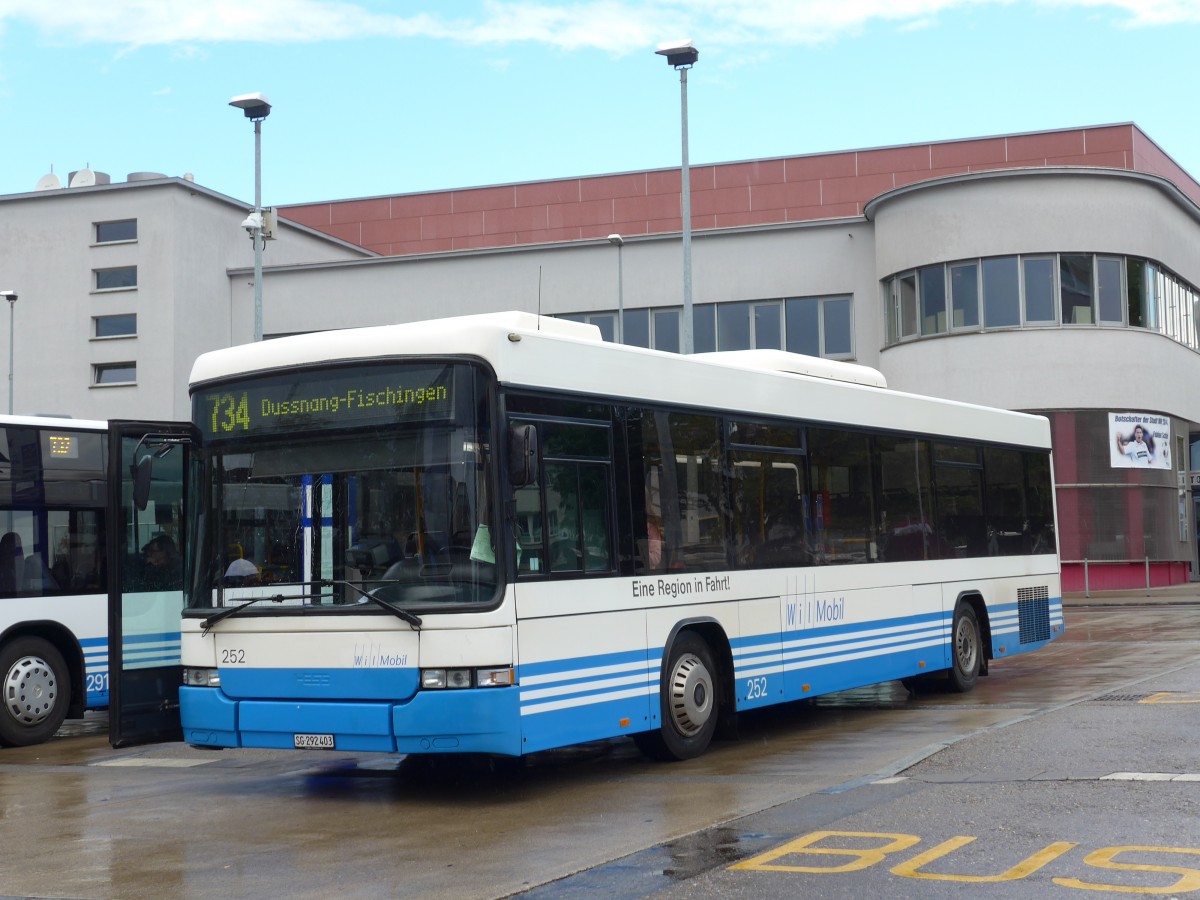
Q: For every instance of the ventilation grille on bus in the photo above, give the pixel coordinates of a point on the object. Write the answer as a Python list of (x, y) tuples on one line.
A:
[(1033, 610)]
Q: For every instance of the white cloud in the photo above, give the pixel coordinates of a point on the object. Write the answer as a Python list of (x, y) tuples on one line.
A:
[(615, 26)]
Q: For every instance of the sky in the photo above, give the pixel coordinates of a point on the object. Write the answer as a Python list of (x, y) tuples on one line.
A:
[(372, 98)]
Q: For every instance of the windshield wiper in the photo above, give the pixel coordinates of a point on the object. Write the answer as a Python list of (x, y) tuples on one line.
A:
[(212, 620), (410, 618)]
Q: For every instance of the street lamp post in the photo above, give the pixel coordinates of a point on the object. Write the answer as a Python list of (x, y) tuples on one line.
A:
[(620, 242), (256, 108), (11, 297), (682, 55)]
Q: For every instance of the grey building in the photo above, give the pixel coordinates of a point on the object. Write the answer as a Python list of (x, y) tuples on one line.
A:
[(121, 285)]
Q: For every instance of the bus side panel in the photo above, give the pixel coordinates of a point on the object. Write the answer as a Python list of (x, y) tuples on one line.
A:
[(584, 677), (1023, 614), (757, 654), (836, 640)]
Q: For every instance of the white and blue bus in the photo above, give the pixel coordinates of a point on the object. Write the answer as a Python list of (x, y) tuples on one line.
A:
[(500, 534), (61, 527)]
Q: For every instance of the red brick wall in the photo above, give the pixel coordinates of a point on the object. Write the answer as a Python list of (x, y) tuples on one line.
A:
[(789, 189)]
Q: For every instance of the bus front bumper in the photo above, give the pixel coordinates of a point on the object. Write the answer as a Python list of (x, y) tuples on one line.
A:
[(475, 720)]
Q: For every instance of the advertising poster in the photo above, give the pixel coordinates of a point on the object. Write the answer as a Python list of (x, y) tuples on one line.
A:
[(1139, 441)]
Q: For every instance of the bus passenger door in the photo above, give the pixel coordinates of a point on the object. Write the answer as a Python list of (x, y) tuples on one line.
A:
[(147, 500)]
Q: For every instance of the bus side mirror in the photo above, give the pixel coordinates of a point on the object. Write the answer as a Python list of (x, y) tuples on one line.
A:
[(143, 470), (522, 455)]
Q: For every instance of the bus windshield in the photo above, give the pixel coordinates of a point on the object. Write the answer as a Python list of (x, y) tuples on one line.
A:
[(329, 489)]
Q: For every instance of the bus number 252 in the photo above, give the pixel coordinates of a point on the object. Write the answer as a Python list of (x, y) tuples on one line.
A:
[(756, 688)]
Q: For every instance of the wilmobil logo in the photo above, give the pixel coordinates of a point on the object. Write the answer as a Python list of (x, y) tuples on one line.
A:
[(374, 656)]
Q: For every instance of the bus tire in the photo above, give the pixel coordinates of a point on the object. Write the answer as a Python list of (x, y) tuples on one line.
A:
[(36, 692), (966, 649), (689, 702)]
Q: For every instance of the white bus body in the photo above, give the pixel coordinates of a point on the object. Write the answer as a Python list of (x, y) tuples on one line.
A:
[(702, 535)]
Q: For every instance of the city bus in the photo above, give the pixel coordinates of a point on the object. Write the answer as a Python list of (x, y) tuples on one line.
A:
[(55, 528), (500, 534)]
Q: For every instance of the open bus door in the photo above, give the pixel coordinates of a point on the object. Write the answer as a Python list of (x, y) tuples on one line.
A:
[(147, 505)]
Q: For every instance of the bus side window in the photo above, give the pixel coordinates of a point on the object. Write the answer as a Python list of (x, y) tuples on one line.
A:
[(564, 524), (577, 510)]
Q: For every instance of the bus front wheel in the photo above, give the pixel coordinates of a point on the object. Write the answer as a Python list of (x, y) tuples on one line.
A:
[(689, 702), (967, 649), (36, 692)]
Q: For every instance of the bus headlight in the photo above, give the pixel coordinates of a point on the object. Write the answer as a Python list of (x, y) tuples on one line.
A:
[(195, 677), (437, 679)]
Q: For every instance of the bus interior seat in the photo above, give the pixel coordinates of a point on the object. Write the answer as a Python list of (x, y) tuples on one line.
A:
[(37, 576)]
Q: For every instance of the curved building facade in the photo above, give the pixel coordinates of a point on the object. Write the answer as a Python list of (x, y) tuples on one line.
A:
[(1070, 292)]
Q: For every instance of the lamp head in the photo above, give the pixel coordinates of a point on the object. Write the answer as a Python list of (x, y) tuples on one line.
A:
[(616, 239), (679, 54), (255, 106), (10, 296)]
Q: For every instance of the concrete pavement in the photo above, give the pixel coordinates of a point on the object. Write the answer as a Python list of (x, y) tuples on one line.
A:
[(1174, 594)]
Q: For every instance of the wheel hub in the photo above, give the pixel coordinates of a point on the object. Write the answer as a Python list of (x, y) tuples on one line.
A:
[(30, 690), (965, 646), (691, 695)]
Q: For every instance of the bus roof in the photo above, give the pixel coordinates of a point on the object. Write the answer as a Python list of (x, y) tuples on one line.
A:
[(526, 350), (54, 422)]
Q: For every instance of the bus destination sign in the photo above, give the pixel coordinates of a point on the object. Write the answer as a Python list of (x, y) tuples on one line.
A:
[(344, 399)]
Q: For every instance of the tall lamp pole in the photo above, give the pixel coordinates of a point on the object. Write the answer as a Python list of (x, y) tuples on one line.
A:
[(256, 108), (682, 55), (11, 297), (620, 242)]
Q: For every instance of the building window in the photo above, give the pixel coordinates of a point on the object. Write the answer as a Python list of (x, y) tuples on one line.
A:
[(112, 232), (1038, 274), (114, 373), (637, 327), (1040, 290), (1109, 270), (124, 325), (908, 305), (815, 326), (1075, 271), (733, 326), (964, 294), (765, 322), (704, 328), (116, 279), (819, 326), (1001, 293), (933, 299), (666, 329)]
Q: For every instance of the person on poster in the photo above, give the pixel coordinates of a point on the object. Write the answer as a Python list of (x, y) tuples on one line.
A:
[(1136, 448)]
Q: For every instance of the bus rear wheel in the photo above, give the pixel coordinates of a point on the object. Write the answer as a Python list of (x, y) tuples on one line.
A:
[(36, 692), (966, 649), (689, 702)]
